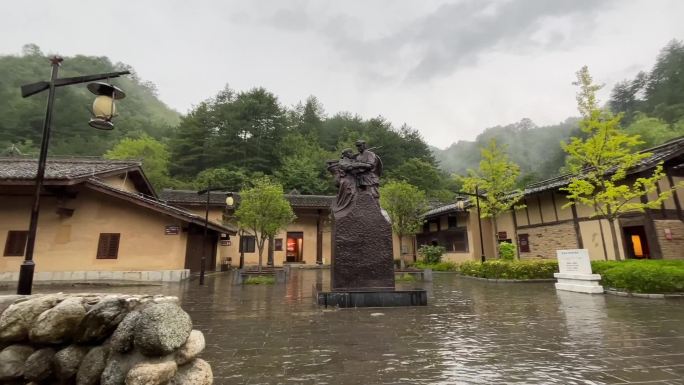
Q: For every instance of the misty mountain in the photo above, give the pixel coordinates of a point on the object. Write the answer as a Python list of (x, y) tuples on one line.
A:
[(535, 149)]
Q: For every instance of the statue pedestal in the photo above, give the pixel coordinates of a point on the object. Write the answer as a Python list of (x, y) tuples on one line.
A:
[(362, 247), (362, 268)]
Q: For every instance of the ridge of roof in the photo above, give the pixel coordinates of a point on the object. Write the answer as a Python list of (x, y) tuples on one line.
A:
[(659, 152), (159, 206)]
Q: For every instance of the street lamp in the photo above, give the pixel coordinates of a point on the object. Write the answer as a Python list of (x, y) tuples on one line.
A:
[(229, 202), (27, 268), (479, 219)]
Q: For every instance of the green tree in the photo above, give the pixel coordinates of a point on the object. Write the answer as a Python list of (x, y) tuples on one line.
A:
[(152, 153), (496, 179), (601, 161), (653, 131), (302, 174), (425, 176), (232, 179), (263, 211), (405, 204)]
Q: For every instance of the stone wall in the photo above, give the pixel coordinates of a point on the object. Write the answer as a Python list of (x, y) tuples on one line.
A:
[(545, 240), (99, 339), (94, 275), (670, 248)]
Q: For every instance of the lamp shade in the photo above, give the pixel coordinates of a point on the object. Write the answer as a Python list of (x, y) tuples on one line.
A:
[(104, 107), (230, 201)]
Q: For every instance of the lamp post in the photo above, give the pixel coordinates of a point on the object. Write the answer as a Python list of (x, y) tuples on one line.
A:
[(103, 111), (479, 219), (229, 202)]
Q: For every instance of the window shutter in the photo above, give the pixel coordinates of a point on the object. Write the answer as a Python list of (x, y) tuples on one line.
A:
[(108, 246), (15, 246)]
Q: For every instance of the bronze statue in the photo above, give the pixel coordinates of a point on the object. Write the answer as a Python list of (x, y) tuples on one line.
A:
[(362, 236), (355, 174)]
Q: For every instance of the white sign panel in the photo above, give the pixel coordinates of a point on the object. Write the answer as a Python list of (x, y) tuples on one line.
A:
[(574, 261)]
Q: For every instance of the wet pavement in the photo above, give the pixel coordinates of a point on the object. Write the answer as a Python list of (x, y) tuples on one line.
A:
[(472, 332)]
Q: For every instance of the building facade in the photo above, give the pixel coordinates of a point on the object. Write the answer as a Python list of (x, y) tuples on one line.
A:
[(306, 241), (547, 223), (99, 219)]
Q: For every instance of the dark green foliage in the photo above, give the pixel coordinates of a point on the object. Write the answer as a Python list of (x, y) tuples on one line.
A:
[(656, 94), (431, 254), (498, 269), (645, 276), (259, 280), (22, 118), (253, 132), (507, 251)]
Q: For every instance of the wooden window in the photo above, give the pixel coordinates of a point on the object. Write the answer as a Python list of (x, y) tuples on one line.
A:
[(457, 241), (15, 246), (452, 222), (278, 244), (108, 246), (248, 244), (524, 243)]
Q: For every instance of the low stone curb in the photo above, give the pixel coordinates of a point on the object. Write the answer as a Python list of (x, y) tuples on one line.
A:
[(501, 280), (643, 295), (103, 283)]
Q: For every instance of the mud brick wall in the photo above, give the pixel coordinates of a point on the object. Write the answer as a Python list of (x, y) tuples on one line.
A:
[(545, 240), (670, 248)]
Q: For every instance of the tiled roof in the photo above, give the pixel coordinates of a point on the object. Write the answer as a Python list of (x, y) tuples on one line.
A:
[(158, 205), (65, 169), (448, 208), (659, 153), (190, 197)]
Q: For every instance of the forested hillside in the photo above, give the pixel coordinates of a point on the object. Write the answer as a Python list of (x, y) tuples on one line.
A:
[(234, 136), (21, 119), (653, 107)]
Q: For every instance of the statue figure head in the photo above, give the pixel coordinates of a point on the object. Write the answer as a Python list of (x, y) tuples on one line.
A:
[(361, 145), (348, 153)]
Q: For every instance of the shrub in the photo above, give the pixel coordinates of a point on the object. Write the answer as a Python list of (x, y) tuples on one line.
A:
[(507, 251), (431, 254), (441, 266), (498, 269), (646, 276), (405, 278), (260, 280)]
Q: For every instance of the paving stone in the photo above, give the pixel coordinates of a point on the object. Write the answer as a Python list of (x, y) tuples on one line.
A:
[(471, 332)]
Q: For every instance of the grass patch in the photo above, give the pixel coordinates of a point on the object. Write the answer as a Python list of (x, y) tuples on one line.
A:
[(642, 276), (259, 280), (498, 269), (405, 278), (439, 266)]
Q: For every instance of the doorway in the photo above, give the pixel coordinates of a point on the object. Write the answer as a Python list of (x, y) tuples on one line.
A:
[(294, 251), (196, 245), (636, 242)]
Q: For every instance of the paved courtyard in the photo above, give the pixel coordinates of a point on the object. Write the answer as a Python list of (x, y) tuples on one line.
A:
[(472, 332)]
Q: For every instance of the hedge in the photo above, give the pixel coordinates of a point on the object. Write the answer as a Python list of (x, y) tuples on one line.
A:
[(642, 276), (441, 266), (498, 269)]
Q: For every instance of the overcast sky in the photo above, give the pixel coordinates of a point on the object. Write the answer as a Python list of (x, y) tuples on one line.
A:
[(448, 68)]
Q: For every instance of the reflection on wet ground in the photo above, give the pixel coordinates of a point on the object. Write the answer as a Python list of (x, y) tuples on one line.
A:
[(471, 332)]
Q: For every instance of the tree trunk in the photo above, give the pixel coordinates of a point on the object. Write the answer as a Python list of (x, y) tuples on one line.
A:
[(260, 246), (402, 266), (613, 234), (496, 238), (271, 250)]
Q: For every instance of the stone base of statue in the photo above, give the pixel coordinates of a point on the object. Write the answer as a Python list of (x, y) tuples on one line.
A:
[(362, 268)]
